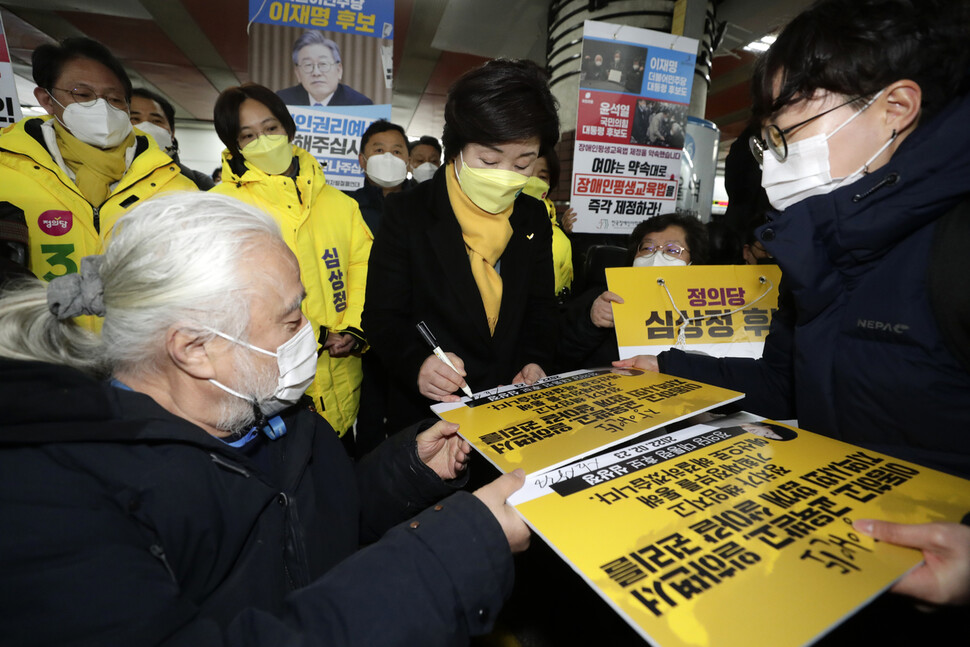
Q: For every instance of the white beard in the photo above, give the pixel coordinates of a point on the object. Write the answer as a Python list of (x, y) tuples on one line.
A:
[(236, 415)]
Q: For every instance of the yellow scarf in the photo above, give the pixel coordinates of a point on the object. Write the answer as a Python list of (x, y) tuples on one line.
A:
[(95, 170), (486, 236)]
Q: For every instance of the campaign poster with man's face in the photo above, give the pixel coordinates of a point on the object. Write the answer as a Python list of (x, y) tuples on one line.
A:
[(634, 91), (332, 66)]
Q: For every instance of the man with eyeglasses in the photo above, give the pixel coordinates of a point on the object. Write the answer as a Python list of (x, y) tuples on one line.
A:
[(865, 150), (319, 70), (70, 175)]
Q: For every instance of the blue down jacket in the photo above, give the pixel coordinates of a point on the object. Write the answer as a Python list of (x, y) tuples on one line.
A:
[(860, 356), (121, 524)]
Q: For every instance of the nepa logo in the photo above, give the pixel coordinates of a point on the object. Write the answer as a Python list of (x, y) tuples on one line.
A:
[(55, 223), (886, 326)]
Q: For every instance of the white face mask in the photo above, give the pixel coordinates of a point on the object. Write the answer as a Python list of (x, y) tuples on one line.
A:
[(805, 172), (386, 170), (100, 125), (296, 359), (424, 172), (161, 136), (657, 259)]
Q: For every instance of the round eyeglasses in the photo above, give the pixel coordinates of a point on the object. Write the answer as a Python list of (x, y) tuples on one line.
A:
[(773, 138), (87, 98), (309, 68), (670, 251)]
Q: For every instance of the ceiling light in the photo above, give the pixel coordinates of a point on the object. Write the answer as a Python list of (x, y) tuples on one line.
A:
[(760, 45)]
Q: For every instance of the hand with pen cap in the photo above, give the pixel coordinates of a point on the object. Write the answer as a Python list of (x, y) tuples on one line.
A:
[(442, 373)]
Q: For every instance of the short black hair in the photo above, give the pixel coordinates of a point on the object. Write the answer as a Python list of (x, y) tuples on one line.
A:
[(226, 112), (555, 168), (502, 101), (857, 47), (48, 61), (167, 107), (696, 234), (381, 126), (425, 140), (216, 174)]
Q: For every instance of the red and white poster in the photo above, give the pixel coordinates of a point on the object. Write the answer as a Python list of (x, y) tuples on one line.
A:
[(634, 92)]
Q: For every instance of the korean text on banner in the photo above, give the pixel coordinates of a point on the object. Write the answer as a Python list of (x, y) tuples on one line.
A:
[(720, 310), (362, 17), (327, 76), (565, 417), (9, 103), (634, 91), (697, 536)]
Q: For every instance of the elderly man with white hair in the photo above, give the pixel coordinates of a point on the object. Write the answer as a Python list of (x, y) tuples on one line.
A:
[(160, 484)]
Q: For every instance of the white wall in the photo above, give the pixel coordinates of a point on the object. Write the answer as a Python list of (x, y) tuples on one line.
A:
[(199, 146)]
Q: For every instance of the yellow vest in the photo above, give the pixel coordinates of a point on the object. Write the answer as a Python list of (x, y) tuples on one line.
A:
[(64, 227), (326, 232)]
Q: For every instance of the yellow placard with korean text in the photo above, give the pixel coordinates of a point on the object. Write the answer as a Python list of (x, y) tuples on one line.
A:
[(696, 536), (728, 308), (565, 417)]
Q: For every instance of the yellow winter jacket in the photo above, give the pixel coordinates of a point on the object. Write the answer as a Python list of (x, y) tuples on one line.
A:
[(63, 226), (562, 251), (325, 230)]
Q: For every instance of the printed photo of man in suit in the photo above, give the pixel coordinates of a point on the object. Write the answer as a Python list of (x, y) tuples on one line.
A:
[(319, 70)]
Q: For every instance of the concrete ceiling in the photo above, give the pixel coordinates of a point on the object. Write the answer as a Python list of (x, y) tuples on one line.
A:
[(189, 50)]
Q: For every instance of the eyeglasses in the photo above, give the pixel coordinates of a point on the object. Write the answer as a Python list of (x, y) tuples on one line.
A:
[(670, 251), (309, 68), (87, 98), (773, 137)]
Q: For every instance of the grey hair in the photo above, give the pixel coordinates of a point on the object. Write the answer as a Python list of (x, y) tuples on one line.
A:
[(314, 37), (174, 260)]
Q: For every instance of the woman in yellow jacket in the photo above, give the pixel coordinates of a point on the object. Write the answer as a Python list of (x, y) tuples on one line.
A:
[(320, 224), (545, 178)]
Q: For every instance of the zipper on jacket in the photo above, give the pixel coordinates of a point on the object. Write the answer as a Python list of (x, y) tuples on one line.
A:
[(74, 189), (232, 467), (889, 180), (159, 553)]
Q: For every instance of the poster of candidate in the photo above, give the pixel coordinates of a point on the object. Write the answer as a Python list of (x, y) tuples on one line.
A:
[(634, 91), (335, 77)]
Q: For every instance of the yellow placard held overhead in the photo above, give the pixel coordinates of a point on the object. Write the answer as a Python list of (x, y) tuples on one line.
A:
[(720, 310)]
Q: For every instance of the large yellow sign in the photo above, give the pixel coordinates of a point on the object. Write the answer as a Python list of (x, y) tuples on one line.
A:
[(696, 534), (568, 416), (721, 310)]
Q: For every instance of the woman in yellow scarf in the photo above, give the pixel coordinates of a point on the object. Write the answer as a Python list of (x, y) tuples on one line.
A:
[(467, 252)]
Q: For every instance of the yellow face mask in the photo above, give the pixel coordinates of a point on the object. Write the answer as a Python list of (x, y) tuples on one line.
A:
[(491, 189), (271, 154), (536, 187)]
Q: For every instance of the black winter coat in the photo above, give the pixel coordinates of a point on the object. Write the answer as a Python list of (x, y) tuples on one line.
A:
[(123, 524), (419, 271)]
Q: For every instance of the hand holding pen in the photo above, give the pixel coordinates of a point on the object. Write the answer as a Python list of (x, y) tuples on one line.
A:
[(442, 373)]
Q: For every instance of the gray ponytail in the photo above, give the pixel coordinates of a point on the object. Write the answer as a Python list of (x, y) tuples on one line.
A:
[(173, 260)]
